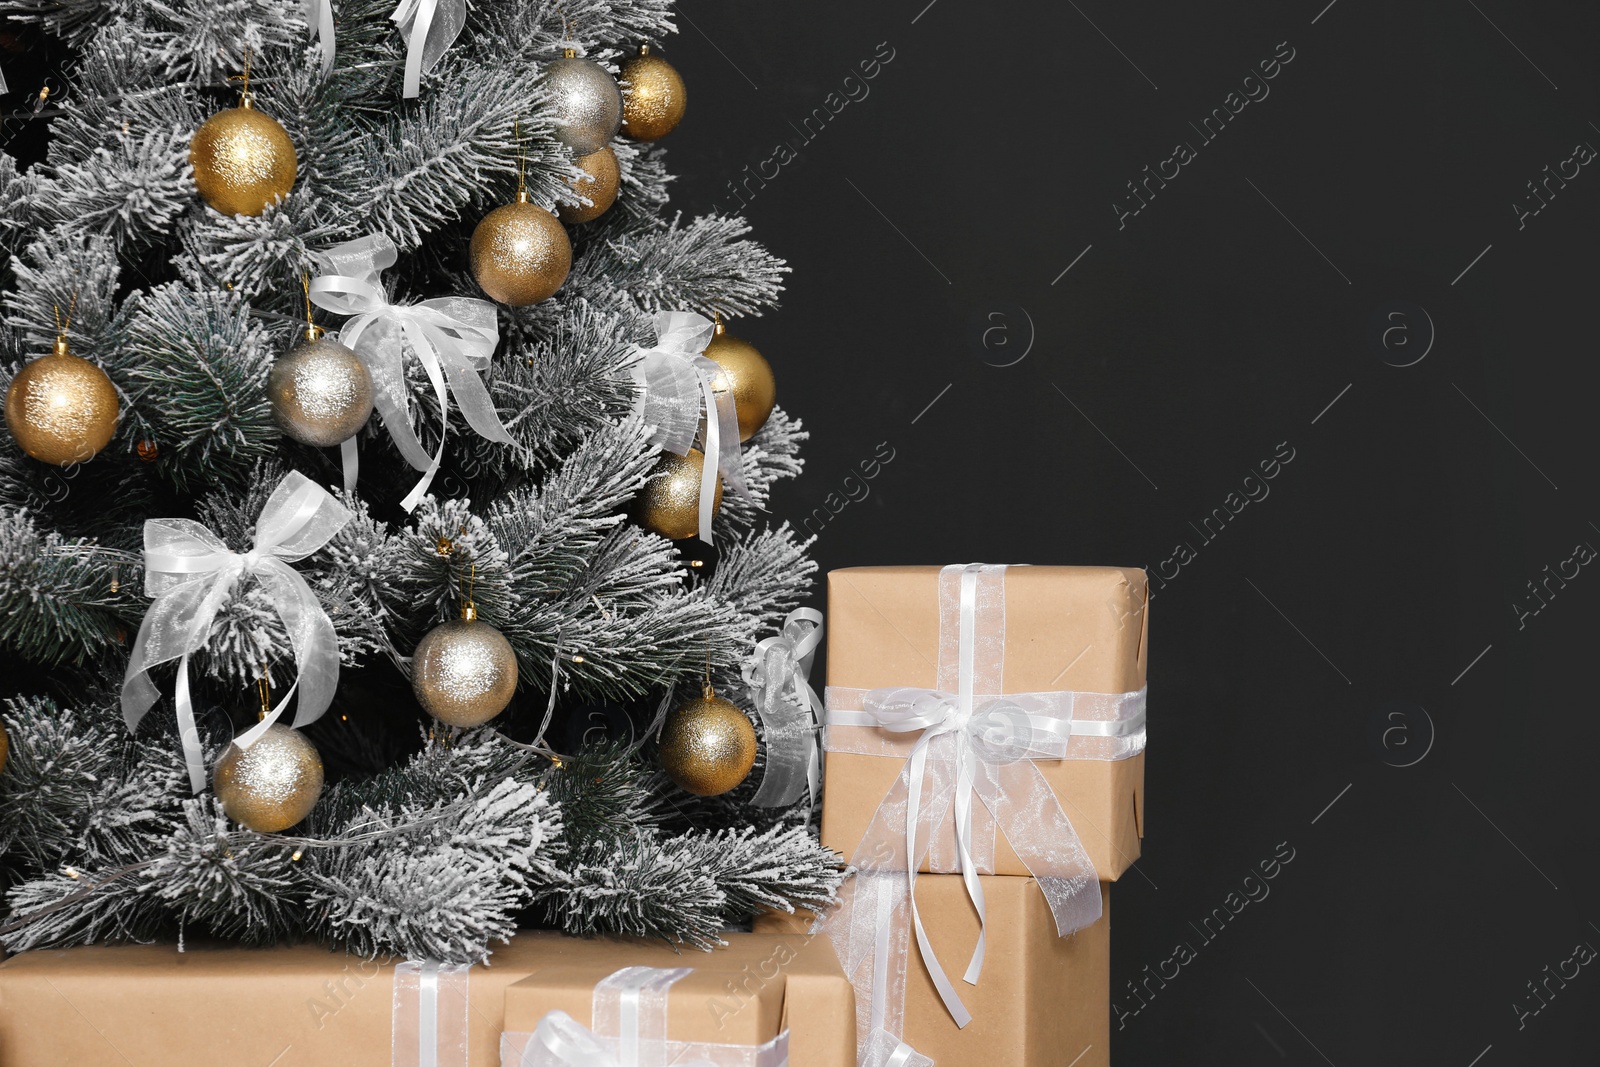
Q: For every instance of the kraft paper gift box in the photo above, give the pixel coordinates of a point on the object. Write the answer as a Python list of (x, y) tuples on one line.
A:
[(760, 985), (304, 1006), (1041, 1001), (1082, 629)]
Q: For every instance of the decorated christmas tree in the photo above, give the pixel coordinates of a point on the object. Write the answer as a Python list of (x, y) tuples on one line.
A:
[(383, 558)]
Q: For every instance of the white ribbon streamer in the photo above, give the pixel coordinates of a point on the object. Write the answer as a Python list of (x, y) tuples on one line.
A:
[(319, 16), (778, 673), (452, 337), (630, 1030), (429, 1013), (676, 384), (963, 743), (190, 572), (430, 27)]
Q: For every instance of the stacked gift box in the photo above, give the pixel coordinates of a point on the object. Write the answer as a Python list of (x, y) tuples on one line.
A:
[(985, 725), (543, 1000)]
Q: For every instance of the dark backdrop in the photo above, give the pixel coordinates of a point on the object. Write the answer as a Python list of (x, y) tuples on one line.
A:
[(1354, 663)]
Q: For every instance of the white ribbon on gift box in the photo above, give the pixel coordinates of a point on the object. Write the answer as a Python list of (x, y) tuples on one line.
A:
[(778, 673), (430, 27), (452, 337), (630, 1030), (676, 383), (972, 741), (190, 572), (428, 1016)]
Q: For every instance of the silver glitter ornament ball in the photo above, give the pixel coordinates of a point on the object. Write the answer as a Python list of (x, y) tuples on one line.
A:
[(271, 785), (464, 671), (585, 101), (321, 393)]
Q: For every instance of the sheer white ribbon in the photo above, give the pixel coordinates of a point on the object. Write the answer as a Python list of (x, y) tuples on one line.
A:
[(452, 337), (677, 383), (190, 573), (428, 1015), (430, 27), (630, 1030), (319, 16), (961, 743), (778, 673)]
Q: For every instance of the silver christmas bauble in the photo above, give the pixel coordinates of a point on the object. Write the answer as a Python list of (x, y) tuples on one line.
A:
[(586, 102), (321, 393)]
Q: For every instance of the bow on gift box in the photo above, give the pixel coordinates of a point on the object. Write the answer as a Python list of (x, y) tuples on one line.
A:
[(630, 1030), (972, 744), (430, 28), (676, 383), (191, 573), (452, 337), (778, 674)]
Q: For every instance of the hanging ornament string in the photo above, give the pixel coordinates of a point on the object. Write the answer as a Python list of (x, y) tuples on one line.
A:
[(452, 337), (778, 673), (676, 384), (430, 27), (319, 16), (190, 572)]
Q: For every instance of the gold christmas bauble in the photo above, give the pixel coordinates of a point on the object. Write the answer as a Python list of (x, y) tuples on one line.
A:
[(748, 375), (708, 745), (321, 392), (464, 671), (243, 160), (271, 785), (61, 409), (520, 254), (653, 103), (599, 185), (669, 503)]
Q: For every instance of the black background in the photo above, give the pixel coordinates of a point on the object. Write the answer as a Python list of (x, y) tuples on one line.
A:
[(1177, 353)]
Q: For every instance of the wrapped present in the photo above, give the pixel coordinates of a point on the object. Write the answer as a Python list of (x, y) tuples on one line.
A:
[(764, 1000), (981, 720), (1044, 1000), (305, 1006)]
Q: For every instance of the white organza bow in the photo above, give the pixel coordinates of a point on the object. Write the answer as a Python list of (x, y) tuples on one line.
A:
[(778, 673), (430, 28), (452, 337), (319, 16), (676, 384), (190, 573), (630, 1030)]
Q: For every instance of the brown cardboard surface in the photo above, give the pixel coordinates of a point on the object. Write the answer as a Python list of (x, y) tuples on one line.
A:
[(151, 1006), (1041, 999), (1080, 628), (744, 994)]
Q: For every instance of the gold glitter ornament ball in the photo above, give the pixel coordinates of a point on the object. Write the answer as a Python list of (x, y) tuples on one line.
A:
[(599, 185), (243, 160), (320, 391), (654, 101), (669, 503), (520, 254), (271, 785), (708, 745), (585, 101), (748, 375), (61, 409), (464, 671)]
